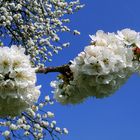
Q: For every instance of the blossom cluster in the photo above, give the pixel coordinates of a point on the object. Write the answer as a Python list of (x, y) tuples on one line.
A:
[(101, 68), (35, 24), (35, 123), (17, 81)]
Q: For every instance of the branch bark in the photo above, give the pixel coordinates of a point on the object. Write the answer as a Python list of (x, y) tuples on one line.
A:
[(61, 69)]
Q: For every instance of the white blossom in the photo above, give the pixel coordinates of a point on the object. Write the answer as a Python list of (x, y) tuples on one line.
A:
[(65, 131), (50, 114), (129, 37), (17, 81), (31, 112), (101, 69), (37, 126), (20, 121), (26, 133), (40, 135), (47, 98), (26, 127), (54, 122), (45, 123), (41, 105), (57, 129), (6, 133), (13, 127)]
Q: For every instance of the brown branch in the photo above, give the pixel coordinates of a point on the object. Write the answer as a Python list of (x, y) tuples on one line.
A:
[(61, 69)]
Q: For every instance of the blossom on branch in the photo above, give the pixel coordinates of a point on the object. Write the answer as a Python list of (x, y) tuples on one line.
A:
[(101, 68), (36, 25), (36, 123), (17, 81)]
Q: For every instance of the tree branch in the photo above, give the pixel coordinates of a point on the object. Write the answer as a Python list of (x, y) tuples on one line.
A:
[(64, 69)]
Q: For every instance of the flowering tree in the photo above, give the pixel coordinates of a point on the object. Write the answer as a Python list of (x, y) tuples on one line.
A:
[(29, 36)]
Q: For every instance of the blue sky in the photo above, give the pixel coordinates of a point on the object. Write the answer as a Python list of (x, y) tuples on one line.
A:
[(113, 118)]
